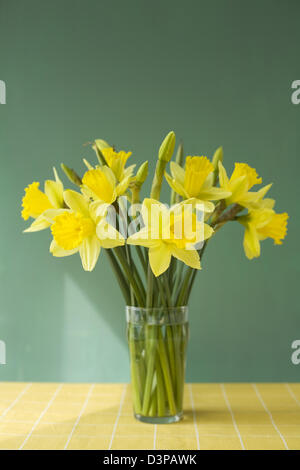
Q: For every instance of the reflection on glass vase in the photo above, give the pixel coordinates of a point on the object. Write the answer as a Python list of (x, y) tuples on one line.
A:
[(157, 339)]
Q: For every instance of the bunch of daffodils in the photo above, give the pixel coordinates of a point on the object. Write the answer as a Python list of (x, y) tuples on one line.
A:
[(154, 249), (169, 241)]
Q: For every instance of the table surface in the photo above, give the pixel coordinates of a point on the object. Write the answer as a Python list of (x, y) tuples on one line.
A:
[(99, 416)]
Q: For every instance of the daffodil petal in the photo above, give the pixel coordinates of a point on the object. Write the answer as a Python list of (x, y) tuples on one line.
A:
[(123, 186), (251, 243), (128, 171), (214, 194), (207, 231), (109, 237), (87, 164), (177, 187), (159, 258), (87, 192), (54, 192), (142, 238), (59, 252), (189, 257), (50, 214), (267, 203), (98, 210), (89, 252), (223, 178), (204, 206), (152, 206), (109, 175), (177, 172), (40, 223), (77, 202), (263, 191), (239, 188), (249, 200), (208, 182)]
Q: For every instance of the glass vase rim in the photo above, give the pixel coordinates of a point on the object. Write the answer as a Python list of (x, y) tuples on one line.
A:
[(133, 308)]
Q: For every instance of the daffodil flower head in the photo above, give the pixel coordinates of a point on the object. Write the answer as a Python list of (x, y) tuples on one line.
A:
[(36, 203), (243, 178), (81, 229), (196, 181), (170, 232), (197, 170), (261, 224), (243, 169), (71, 228), (100, 184), (117, 161)]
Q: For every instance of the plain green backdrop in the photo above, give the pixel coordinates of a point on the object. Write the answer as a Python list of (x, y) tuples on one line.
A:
[(217, 72)]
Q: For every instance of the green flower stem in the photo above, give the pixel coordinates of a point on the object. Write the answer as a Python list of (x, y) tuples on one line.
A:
[(167, 288), (139, 280), (136, 383), (179, 363), (149, 297), (195, 271), (119, 275), (178, 278), (158, 179), (174, 333), (142, 259), (166, 372), (170, 333), (171, 352), (151, 342), (179, 160), (182, 294), (161, 396), (153, 406), (129, 260), (172, 270), (129, 274)]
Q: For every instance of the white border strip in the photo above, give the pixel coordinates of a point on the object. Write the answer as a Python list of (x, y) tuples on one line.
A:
[(41, 415), (118, 417), (194, 415), (232, 415), (270, 415)]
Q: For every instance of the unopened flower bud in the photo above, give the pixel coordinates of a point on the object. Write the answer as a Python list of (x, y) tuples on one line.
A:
[(218, 157), (101, 144), (142, 174), (71, 174), (167, 147)]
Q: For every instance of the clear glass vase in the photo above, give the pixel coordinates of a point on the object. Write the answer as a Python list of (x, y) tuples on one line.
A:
[(157, 339)]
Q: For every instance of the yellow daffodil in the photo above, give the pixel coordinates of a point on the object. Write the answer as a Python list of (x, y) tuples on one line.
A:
[(117, 161), (167, 233), (261, 224), (239, 184), (196, 181), (101, 184), (38, 204), (81, 229)]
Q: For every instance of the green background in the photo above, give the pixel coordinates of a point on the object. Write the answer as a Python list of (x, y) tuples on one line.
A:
[(217, 73)]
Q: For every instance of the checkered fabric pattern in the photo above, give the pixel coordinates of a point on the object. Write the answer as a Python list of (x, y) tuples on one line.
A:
[(99, 416)]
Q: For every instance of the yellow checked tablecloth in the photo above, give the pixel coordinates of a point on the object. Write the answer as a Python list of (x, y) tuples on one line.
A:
[(85, 416)]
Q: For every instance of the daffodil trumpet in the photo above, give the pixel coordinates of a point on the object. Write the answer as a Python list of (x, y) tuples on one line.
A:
[(156, 264)]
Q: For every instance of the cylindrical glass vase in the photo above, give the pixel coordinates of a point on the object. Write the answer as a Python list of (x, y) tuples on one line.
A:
[(157, 339)]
